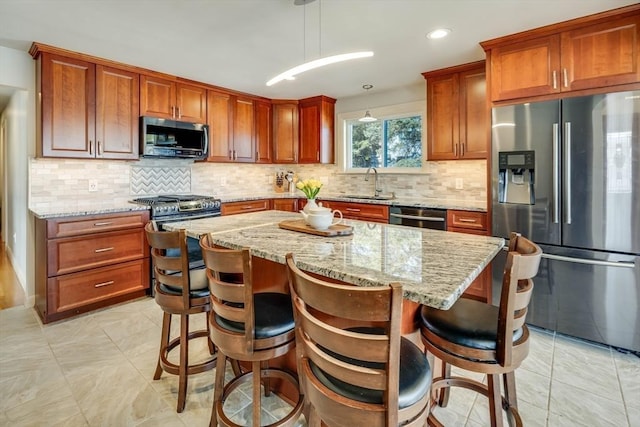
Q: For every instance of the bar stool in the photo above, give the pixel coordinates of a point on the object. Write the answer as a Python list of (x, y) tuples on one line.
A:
[(482, 338), (170, 263), (354, 366), (246, 326)]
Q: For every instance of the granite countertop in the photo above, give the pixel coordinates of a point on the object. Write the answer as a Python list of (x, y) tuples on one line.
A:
[(55, 210), (434, 203), (434, 267), (91, 208)]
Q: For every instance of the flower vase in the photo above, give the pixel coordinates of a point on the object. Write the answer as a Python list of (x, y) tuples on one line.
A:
[(311, 203)]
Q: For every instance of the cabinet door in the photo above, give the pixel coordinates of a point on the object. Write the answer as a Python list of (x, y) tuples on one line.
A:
[(289, 205), (521, 70), (157, 97), (243, 131), (600, 55), (117, 95), (309, 148), (285, 132), (191, 103), (264, 148), (474, 118), (442, 117), (316, 130), (220, 120), (68, 107)]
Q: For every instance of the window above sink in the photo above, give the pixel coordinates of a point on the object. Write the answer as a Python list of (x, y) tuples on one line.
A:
[(392, 143)]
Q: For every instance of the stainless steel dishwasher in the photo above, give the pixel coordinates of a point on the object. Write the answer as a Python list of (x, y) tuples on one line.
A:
[(435, 219)]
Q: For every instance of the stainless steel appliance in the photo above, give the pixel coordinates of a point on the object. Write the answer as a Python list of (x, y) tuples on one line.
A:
[(174, 208), (173, 139), (580, 201), (435, 219)]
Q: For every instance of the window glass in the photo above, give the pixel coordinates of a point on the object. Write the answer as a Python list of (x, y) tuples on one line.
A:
[(393, 142)]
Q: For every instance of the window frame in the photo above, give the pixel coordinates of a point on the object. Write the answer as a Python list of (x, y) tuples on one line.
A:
[(409, 109)]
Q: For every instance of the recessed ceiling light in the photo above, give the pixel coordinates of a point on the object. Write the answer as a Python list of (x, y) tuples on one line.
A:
[(438, 33)]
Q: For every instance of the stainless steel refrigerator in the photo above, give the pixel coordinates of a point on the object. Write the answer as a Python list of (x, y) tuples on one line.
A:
[(566, 174)]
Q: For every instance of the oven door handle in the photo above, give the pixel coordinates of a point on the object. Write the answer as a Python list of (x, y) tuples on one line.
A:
[(418, 217), (165, 220)]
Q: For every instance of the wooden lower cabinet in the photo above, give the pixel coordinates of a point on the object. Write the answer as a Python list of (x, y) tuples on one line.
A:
[(232, 208), (361, 211), (88, 262), (472, 222), (289, 205)]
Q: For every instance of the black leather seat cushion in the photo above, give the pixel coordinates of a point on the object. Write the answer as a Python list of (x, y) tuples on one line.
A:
[(469, 323), (273, 316), (415, 375), (198, 283)]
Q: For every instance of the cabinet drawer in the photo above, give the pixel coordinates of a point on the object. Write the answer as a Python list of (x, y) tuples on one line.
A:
[(76, 290), (76, 226), (244, 207), (363, 211), (467, 220), (80, 253), (290, 205)]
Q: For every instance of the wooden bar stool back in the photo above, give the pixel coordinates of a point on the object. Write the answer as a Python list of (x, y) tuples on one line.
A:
[(355, 368), (482, 338), (182, 292), (246, 326)]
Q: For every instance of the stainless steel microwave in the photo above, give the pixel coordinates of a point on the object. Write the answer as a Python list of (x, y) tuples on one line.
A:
[(162, 138)]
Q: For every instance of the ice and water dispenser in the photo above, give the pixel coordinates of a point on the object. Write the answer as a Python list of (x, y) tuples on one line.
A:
[(516, 177)]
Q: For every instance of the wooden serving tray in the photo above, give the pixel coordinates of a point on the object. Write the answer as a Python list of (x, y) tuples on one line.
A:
[(302, 227)]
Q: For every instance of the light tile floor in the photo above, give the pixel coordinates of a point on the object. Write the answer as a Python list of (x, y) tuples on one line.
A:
[(97, 369)]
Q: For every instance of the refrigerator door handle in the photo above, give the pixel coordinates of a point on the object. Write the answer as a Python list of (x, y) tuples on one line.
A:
[(556, 174), (567, 172), (588, 261)]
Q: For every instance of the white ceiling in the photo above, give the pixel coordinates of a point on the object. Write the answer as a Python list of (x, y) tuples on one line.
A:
[(240, 44)]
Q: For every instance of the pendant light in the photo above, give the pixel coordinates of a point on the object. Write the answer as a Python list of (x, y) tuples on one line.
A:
[(320, 62), (367, 115)]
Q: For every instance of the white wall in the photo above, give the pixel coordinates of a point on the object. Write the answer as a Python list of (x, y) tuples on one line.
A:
[(18, 71)]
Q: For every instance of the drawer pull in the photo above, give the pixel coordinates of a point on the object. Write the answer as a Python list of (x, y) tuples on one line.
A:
[(102, 224), (467, 220), (103, 250), (248, 207), (352, 210), (99, 285)]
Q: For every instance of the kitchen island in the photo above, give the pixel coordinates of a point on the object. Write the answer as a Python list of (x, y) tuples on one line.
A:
[(434, 267)]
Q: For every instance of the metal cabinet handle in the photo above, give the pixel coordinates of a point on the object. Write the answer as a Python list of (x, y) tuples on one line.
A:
[(467, 220), (102, 224), (179, 112), (461, 150), (566, 77), (173, 111), (103, 250), (230, 155), (248, 207), (455, 150), (99, 152), (90, 147), (99, 285), (352, 210), (554, 75)]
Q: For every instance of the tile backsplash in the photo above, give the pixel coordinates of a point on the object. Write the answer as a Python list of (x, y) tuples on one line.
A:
[(56, 182)]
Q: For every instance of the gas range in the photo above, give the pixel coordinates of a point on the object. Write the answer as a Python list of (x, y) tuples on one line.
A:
[(180, 207)]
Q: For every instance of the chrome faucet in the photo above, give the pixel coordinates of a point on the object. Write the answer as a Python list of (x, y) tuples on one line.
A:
[(376, 189)]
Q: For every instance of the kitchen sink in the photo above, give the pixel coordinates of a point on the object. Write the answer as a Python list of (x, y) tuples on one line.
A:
[(369, 197)]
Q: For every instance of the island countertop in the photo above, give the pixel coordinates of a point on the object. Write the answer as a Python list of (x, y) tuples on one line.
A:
[(434, 267)]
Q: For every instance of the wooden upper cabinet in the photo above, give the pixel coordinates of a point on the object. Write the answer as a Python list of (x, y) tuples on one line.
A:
[(597, 51), (457, 117), (525, 69), (172, 100), (316, 130), (86, 110), (117, 123), (231, 122), (604, 54), (244, 147), (264, 147), (285, 131), (220, 119)]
